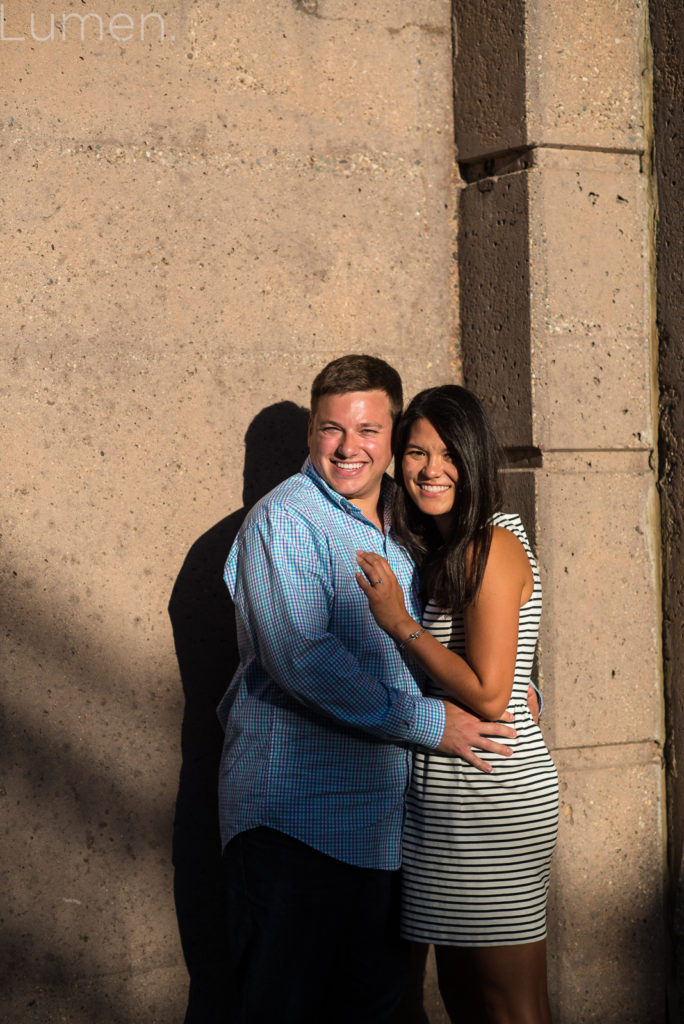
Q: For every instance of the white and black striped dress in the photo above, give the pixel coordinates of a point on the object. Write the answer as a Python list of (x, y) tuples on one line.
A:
[(477, 847)]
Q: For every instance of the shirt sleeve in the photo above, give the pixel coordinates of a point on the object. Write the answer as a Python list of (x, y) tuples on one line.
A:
[(279, 574)]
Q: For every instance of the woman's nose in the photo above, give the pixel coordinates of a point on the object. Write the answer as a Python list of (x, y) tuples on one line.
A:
[(433, 466)]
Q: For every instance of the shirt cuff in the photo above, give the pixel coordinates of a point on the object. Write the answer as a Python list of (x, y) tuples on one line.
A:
[(429, 720)]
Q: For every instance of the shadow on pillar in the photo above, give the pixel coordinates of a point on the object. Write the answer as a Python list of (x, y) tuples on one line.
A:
[(495, 324), (494, 154), (202, 617), (490, 88), (494, 275), (667, 36)]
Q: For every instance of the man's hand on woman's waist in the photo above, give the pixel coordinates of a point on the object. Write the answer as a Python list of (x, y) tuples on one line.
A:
[(463, 731)]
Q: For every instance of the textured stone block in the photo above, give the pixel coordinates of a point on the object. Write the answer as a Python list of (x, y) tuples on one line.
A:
[(590, 325), (545, 73), (607, 960), (554, 302), (584, 72), (599, 658)]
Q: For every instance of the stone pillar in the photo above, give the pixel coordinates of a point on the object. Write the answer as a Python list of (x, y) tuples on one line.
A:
[(552, 131)]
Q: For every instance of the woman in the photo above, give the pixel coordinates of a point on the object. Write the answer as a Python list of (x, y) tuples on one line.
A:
[(477, 847)]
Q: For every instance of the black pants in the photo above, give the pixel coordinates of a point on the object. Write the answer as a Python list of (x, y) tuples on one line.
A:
[(312, 940)]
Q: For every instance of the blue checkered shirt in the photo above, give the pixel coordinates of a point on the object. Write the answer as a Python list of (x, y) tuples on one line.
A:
[(322, 713)]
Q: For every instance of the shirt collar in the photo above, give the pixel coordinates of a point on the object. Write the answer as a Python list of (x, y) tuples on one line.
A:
[(343, 503)]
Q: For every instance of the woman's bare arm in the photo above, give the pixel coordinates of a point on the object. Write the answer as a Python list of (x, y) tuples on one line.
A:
[(483, 680)]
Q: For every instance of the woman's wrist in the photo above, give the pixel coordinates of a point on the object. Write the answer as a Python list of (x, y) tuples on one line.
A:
[(404, 629), (411, 637)]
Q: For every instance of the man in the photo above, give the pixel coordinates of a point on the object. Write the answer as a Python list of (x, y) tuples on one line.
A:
[(320, 720)]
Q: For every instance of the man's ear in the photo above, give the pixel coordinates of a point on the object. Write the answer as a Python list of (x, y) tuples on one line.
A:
[(309, 430)]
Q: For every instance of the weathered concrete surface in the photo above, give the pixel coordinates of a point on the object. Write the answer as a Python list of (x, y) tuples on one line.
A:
[(555, 225), (584, 70), (193, 226), (548, 74), (599, 659), (545, 254), (667, 32), (589, 303), (611, 823)]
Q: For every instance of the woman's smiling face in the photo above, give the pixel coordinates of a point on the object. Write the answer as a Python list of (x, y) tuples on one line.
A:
[(430, 474)]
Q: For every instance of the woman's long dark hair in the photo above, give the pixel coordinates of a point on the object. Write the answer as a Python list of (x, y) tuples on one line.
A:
[(448, 576)]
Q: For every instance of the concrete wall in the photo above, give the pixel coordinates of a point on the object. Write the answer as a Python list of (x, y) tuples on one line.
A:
[(192, 227)]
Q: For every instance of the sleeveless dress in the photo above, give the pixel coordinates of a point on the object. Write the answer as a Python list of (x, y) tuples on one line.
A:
[(477, 847)]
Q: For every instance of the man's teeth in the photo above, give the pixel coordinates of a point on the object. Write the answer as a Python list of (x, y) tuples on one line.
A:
[(350, 465)]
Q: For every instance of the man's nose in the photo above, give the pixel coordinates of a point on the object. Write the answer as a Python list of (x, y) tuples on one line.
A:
[(347, 446)]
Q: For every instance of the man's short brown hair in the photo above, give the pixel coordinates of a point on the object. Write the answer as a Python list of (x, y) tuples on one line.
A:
[(358, 373)]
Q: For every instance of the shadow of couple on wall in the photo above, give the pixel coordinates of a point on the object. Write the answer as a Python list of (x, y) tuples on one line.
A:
[(203, 622)]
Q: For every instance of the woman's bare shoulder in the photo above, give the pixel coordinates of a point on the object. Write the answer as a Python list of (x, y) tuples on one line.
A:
[(506, 550)]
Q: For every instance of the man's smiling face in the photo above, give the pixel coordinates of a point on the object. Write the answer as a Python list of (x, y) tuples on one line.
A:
[(350, 442)]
